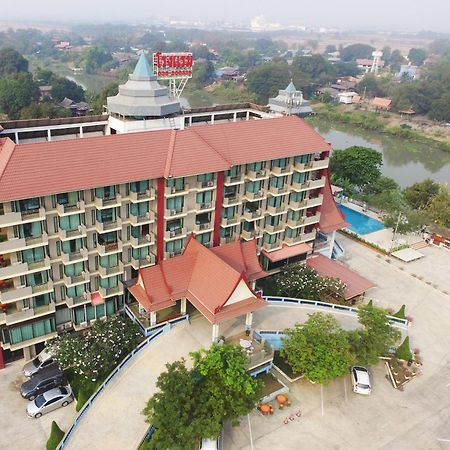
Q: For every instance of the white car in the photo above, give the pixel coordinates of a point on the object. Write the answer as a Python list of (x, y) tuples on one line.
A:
[(41, 361), (49, 401), (361, 380)]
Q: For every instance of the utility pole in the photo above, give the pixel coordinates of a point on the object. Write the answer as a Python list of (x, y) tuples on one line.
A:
[(395, 231)]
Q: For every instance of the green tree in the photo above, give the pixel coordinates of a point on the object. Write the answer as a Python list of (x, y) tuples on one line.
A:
[(330, 49), (417, 56), (384, 193), (387, 52), (319, 349), (93, 58), (372, 86), (203, 73), (356, 51), (439, 208), (267, 79), (404, 351), (63, 87), (11, 62), (17, 93), (98, 101), (410, 220), (56, 435), (377, 336), (43, 110), (360, 165), (396, 60), (419, 195)]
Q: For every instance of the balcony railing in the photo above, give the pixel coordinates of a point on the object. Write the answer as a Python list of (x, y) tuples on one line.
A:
[(13, 294), (176, 190), (42, 288), (272, 246), (17, 244), (204, 226), (15, 218), (279, 190), (309, 220), (249, 235), (317, 164), (275, 210), (227, 239), (253, 215), (139, 263), (255, 195), (316, 201), (303, 237), (76, 208), (78, 232), (109, 202), (148, 217), (103, 227), (229, 221), (227, 201), (110, 247), (175, 233), (274, 228), (147, 195), (71, 258), (236, 179), (205, 184), (204, 206), (298, 204), (168, 255), (256, 175), (175, 212), (16, 316), (142, 241), (277, 171), (72, 280), (111, 271), (72, 302), (112, 291)]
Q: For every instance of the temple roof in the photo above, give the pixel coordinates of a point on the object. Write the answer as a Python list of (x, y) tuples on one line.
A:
[(291, 88), (143, 68)]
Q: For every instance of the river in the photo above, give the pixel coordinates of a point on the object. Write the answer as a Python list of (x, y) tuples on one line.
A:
[(405, 161)]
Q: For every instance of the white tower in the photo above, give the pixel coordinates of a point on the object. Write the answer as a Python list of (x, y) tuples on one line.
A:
[(376, 61)]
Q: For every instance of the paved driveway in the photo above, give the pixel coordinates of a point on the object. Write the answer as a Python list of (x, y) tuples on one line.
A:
[(17, 431)]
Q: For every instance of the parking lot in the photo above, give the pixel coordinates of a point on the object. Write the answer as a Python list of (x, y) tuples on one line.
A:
[(17, 430)]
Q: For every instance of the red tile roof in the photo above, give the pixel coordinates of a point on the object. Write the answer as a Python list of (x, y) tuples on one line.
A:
[(326, 267), (331, 219), (44, 168), (287, 252), (207, 278)]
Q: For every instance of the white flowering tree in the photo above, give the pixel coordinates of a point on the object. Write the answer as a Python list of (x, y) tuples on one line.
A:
[(301, 281), (94, 354)]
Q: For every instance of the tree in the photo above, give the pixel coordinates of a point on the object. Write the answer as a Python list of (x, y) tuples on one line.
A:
[(319, 349), (356, 51), (56, 435), (203, 73), (396, 60), (377, 336), (360, 165), (93, 58), (99, 351), (330, 49), (387, 52), (419, 195), (373, 86), (440, 46), (417, 56), (313, 68), (266, 80), (63, 87), (97, 101), (406, 220), (43, 110), (439, 208), (11, 62), (384, 193), (17, 93)]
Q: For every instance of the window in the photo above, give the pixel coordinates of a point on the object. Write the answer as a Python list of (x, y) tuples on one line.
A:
[(298, 177), (227, 232), (76, 291), (106, 215), (277, 182), (175, 203), (293, 232), (274, 201), (29, 230), (110, 282), (294, 215), (229, 191), (255, 167), (233, 172), (204, 238), (72, 246), (107, 192), (297, 196), (174, 225), (228, 213), (31, 330), (139, 209), (270, 238), (204, 197), (280, 162), (69, 198), (273, 220), (205, 177), (110, 260), (35, 279), (74, 270), (139, 187), (28, 205), (174, 246), (177, 183), (41, 300), (202, 218), (140, 253), (70, 223), (33, 255), (253, 186)]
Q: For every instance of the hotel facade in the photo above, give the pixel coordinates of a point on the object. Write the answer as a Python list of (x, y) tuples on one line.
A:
[(79, 218)]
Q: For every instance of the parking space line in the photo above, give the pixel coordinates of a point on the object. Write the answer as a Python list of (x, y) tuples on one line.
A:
[(345, 390), (321, 398), (250, 431)]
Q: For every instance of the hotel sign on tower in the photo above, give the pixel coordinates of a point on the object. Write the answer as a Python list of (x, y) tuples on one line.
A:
[(173, 65)]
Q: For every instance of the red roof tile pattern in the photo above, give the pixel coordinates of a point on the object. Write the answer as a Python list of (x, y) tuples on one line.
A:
[(326, 267), (45, 168), (287, 252), (205, 277), (331, 219)]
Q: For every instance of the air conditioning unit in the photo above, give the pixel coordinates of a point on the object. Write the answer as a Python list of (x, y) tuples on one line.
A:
[(85, 295), (210, 183), (173, 212), (148, 237), (83, 324), (60, 328)]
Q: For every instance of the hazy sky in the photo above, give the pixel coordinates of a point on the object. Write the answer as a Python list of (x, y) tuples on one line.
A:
[(411, 15)]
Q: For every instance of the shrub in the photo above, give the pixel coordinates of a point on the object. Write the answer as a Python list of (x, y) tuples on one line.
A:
[(404, 352), (401, 313), (55, 437)]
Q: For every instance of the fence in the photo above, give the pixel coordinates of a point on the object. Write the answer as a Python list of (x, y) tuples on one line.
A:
[(112, 375), (287, 301)]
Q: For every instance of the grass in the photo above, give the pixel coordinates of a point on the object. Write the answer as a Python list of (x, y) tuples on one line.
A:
[(82, 389), (284, 366), (55, 437)]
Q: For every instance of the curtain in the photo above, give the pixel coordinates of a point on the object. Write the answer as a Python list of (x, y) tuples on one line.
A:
[(254, 167), (80, 315), (139, 186), (139, 209), (69, 222), (110, 307), (15, 335), (175, 203), (90, 312), (205, 177)]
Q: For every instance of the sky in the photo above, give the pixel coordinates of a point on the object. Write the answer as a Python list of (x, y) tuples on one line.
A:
[(401, 15)]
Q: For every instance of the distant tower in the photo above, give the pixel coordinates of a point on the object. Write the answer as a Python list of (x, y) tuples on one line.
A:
[(376, 61)]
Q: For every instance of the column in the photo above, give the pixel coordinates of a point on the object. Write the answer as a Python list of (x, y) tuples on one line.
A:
[(49, 135), (190, 121), (247, 116), (153, 318), (81, 132), (215, 332), (248, 321), (16, 137), (2, 359), (183, 306), (29, 352), (234, 116), (212, 119)]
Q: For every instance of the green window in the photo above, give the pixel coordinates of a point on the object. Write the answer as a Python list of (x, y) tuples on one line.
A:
[(110, 282), (80, 315), (74, 270), (69, 223), (76, 291), (139, 187), (293, 232), (253, 186), (174, 246), (233, 172), (297, 196), (303, 159), (277, 182), (298, 177), (255, 167), (280, 162), (226, 232), (106, 192), (139, 209), (41, 300), (36, 279), (110, 308), (204, 238), (175, 203), (109, 261), (29, 230), (205, 177), (273, 220), (270, 238), (72, 246), (69, 198), (32, 330), (140, 253), (294, 215), (274, 201), (28, 205), (204, 197), (106, 215), (177, 183), (33, 255), (228, 213), (63, 315)]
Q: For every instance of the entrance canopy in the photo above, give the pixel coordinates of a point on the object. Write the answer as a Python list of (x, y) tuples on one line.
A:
[(355, 283), (215, 281)]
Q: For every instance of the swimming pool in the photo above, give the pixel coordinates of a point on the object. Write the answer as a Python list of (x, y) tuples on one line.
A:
[(360, 223), (272, 338)]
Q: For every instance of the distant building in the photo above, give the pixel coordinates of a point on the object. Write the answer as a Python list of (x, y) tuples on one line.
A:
[(381, 104), (63, 45), (348, 98), (228, 73), (290, 101), (407, 71), (76, 109), (366, 64), (45, 92)]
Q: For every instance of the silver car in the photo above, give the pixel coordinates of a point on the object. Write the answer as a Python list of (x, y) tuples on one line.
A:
[(49, 401)]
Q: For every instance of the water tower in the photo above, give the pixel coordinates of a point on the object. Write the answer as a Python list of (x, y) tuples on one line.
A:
[(377, 55)]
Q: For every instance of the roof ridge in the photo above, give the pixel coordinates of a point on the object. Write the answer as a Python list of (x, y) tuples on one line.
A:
[(6, 151), (211, 146), (171, 149)]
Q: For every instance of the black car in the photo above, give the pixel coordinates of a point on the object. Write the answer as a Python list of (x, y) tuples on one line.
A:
[(47, 378)]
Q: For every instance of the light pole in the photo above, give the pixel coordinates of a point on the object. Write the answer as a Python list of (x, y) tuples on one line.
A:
[(395, 231)]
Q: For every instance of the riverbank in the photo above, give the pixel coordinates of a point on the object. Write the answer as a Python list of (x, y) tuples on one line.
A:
[(384, 123)]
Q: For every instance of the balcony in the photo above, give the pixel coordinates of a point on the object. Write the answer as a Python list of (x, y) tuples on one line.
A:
[(43, 288), (228, 239), (201, 227), (145, 196), (299, 167), (204, 206), (256, 175), (16, 218), (66, 210), (171, 213), (316, 201), (276, 210), (110, 202), (249, 235), (252, 196), (73, 280), (317, 164), (177, 233), (252, 215), (273, 246), (13, 316), (112, 291), (281, 171), (148, 217), (72, 302), (71, 258), (8, 270), (229, 201), (230, 221), (316, 184), (106, 272), (176, 190), (146, 261), (303, 237), (17, 244), (104, 227), (302, 204), (78, 232), (142, 241), (309, 220), (274, 228), (279, 190), (236, 179), (204, 185), (12, 294), (109, 248)]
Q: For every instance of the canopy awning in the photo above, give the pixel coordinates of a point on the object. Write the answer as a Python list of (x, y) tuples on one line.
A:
[(287, 252)]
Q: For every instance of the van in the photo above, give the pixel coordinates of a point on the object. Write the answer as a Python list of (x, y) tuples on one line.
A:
[(44, 359), (361, 380), (47, 378)]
